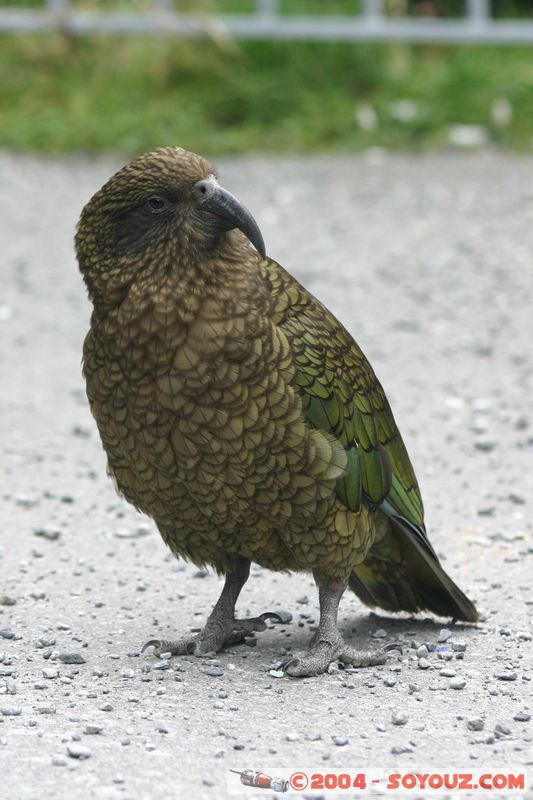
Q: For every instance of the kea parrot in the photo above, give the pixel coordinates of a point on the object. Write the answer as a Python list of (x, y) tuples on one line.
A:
[(240, 415)]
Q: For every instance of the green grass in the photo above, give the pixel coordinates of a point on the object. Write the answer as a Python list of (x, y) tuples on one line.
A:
[(61, 94)]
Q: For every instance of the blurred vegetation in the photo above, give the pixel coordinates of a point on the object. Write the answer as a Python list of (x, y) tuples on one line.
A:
[(59, 93)]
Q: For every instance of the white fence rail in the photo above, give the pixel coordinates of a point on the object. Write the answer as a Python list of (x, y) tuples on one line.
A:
[(372, 24)]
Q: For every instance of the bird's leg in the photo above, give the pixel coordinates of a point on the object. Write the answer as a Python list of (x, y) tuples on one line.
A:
[(327, 644), (221, 628)]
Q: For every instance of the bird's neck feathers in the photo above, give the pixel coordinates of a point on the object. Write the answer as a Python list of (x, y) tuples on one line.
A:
[(178, 276), (173, 291)]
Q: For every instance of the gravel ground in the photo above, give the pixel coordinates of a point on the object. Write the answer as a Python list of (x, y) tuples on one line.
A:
[(428, 263)]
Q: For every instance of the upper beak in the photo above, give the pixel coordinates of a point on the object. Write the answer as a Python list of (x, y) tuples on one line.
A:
[(218, 201)]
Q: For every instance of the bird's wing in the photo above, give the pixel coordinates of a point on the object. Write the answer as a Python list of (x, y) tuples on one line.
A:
[(342, 395)]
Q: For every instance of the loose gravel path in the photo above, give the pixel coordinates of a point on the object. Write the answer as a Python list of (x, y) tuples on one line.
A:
[(428, 261)]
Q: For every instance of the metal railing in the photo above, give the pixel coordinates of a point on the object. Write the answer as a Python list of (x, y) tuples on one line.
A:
[(267, 22)]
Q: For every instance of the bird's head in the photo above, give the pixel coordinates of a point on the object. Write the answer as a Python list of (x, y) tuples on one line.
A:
[(165, 210)]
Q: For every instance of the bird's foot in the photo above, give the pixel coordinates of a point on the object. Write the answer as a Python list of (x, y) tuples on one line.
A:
[(322, 652), (218, 633)]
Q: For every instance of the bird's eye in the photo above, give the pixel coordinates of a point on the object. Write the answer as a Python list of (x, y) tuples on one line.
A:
[(156, 203)]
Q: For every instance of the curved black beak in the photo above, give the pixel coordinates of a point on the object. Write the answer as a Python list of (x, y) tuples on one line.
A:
[(217, 200)]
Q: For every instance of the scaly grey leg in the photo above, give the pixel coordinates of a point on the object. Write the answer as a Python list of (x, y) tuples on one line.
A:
[(221, 628), (327, 644)]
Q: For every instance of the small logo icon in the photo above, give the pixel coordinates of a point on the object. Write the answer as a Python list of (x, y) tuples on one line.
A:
[(259, 780)]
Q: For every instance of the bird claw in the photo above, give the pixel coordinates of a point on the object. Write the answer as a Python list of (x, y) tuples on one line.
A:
[(289, 662), (155, 643), (269, 615), (393, 646), (235, 631), (179, 648), (321, 654), (279, 617)]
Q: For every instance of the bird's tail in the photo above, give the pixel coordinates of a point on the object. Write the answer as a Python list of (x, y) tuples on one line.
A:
[(404, 574)]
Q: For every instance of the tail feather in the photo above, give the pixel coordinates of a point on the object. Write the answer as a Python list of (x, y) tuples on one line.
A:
[(411, 580)]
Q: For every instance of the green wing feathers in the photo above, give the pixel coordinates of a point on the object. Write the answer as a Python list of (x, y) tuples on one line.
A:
[(342, 396)]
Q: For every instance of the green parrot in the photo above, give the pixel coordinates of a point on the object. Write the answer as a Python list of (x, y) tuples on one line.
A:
[(239, 414)]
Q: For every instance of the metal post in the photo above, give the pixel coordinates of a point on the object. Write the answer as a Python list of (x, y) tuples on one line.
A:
[(372, 10), (267, 8), (478, 11), (57, 7)]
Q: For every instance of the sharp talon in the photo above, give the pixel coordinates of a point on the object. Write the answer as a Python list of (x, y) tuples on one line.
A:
[(270, 615), (290, 662), (284, 617), (155, 643), (393, 646)]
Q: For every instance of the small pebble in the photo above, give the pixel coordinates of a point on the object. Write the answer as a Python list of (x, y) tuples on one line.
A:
[(79, 751), (42, 643), (10, 711), (72, 658), (484, 443), (399, 718), (423, 663), (106, 707), (448, 673), (458, 647), (457, 683), (50, 673), (46, 709), (92, 729), (127, 673), (379, 634), (522, 716), (5, 600), (340, 741), (506, 676), (135, 533), (501, 728), (50, 532), (444, 635), (292, 737), (444, 655), (475, 724)]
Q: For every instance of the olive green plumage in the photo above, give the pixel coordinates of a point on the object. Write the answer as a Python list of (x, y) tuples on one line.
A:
[(233, 407)]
